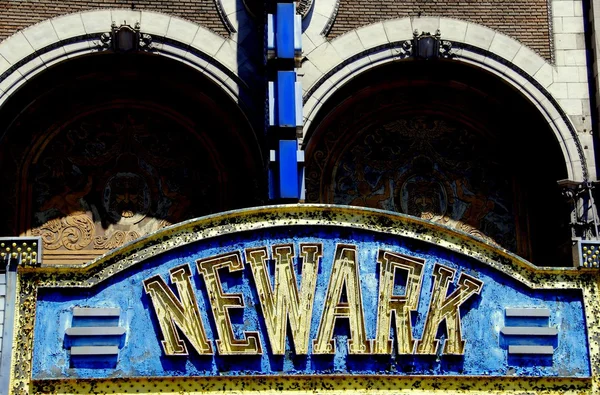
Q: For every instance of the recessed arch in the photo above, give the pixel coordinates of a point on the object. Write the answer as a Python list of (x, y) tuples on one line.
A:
[(446, 141), (331, 65), (102, 148)]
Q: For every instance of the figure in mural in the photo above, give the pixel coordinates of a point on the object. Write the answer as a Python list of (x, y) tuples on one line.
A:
[(142, 180), (424, 198), (363, 192), (479, 204), (369, 196), (422, 190)]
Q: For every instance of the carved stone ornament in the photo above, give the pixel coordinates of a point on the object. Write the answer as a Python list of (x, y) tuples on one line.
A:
[(125, 38), (427, 46)]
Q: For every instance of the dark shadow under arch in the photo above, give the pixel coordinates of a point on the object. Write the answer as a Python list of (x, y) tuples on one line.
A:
[(447, 142), (103, 149)]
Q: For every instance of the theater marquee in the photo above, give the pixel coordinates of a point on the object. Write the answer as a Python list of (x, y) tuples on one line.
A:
[(305, 298)]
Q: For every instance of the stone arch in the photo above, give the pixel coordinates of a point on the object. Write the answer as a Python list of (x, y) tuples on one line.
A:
[(61, 90), (36, 48), (330, 65)]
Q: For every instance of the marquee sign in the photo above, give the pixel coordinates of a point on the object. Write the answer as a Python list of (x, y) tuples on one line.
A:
[(307, 292)]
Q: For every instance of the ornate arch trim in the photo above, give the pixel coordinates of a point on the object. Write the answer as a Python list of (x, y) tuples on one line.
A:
[(332, 64), (34, 49)]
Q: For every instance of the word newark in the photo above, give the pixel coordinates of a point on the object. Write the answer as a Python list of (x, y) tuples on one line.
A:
[(287, 302)]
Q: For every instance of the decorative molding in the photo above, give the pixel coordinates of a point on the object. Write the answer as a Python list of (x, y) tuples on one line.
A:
[(330, 65), (224, 18), (318, 19), (426, 46), (124, 38), (331, 19), (304, 7), (203, 50)]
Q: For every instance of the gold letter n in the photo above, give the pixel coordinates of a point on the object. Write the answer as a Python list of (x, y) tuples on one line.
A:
[(184, 313)]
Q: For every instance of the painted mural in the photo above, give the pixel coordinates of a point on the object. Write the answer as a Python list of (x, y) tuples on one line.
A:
[(429, 166), (114, 167)]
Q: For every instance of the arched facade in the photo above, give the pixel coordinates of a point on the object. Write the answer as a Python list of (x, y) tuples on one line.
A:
[(433, 140), (330, 65), (374, 113), (102, 145), (308, 196)]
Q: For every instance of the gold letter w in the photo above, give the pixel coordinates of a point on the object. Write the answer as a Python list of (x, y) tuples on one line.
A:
[(285, 301)]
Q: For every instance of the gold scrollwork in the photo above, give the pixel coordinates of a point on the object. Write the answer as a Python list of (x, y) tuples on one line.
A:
[(74, 232), (116, 239)]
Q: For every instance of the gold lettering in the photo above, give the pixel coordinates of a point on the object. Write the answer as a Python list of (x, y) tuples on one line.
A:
[(283, 302), (221, 302), (400, 305), (447, 308), (184, 313), (344, 276)]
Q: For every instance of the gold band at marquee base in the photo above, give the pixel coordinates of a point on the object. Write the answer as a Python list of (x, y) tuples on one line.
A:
[(320, 385)]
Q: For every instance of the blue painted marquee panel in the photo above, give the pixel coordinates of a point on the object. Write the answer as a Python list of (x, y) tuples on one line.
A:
[(483, 317), (284, 41)]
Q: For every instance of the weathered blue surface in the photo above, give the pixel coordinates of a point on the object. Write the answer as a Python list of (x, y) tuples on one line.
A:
[(482, 317)]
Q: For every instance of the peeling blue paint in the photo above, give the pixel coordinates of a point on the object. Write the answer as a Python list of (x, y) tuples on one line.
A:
[(482, 317)]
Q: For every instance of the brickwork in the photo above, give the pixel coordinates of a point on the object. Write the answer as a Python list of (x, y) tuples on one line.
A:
[(18, 14), (524, 20)]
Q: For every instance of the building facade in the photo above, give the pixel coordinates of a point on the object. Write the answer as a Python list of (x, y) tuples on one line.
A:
[(321, 195)]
